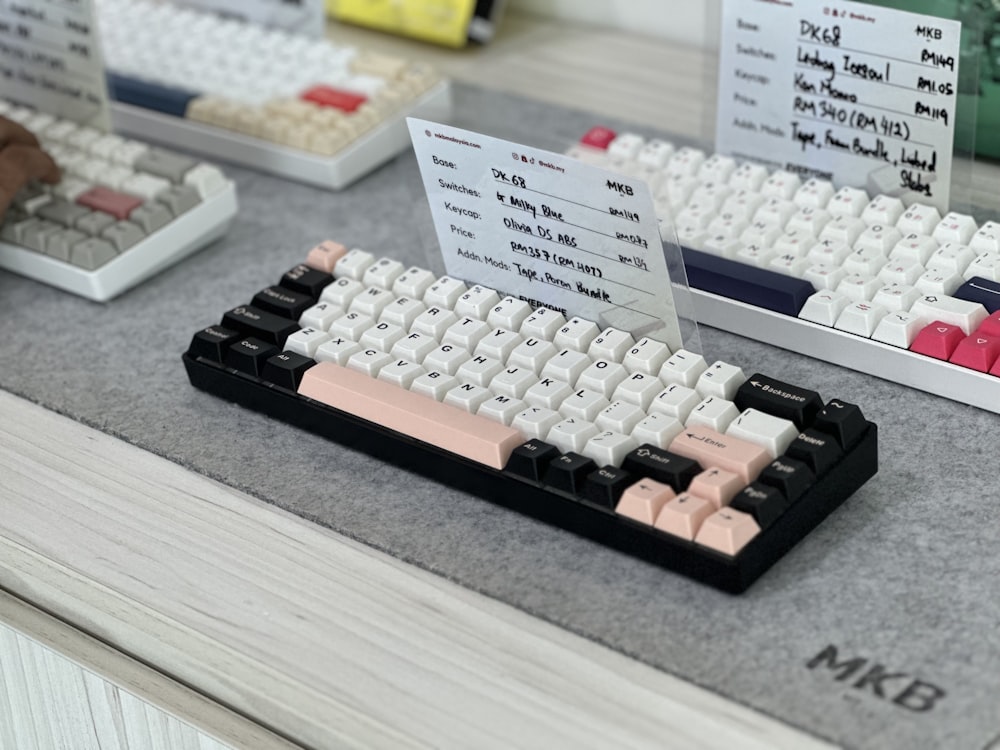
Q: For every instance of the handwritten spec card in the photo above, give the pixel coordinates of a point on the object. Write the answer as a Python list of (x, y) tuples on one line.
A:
[(857, 94), (305, 17), (50, 58), (547, 229)]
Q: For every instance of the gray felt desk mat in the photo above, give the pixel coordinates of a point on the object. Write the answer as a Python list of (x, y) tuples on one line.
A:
[(905, 575)]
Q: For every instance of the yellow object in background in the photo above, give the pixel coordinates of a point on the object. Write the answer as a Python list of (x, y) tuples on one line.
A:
[(439, 21)]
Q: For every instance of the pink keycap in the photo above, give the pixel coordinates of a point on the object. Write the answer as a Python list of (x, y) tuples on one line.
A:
[(684, 515), (977, 352), (644, 500), (325, 255), (990, 326), (447, 427), (109, 201), (598, 137), (937, 340), (712, 449), (716, 486), (727, 531)]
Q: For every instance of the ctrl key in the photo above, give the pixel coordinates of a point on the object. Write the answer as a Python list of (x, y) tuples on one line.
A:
[(249, 355)]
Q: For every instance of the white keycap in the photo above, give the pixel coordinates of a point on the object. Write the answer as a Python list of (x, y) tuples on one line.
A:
[(413, 282), (814, 193), (918, 219), (548, 393), (499, 343), (513, 381), (467, 397), (934, 281), (206, 179), (501, 409), (371, 302), (129, 152), (951, 257), (583, 404), (320, 315), (721, 245), (858, 288), (824, 277), (434, 384), (955, 227), (567, 366), (609, 448), (571, 435), (697, 214), (476, 302), (648, 356), (713, 412), (754, 254), (338, 349), (415, 346), (434, 321), (675, 401), (781, 184), (743, 204), (382, 336), (479, 369), (771, 433), (444, 293), (809, 220), (683, 368), (879, 237), (901, 272), (727, 226), (532, 353), (577, 334), (761, 233), (509, 313), (145, 186), (829, 253), (655, 153), (402, 311), (639, 389), (603, 376), (896, 297), (626, 146), (824, 307), (957, 312), (795, 242), (401, 372), (382, 273), (844, 229), (620, 416), (369, 361), (306, 341), (720, 379), (748, 176), (883, 210), (466, 332), (915, 247), (987, 239), (657, 429), (865, 262), (341, 292), (775, 211), (848, 201), (536, 422), (351, 325), (717, 168), (688, 235), (81, 138), (985, 266), (446, 358), (353, 264), (860, 318), (790, 265), (542, 323), (899, 329), (685, 162), (70, 188), (675, 191)]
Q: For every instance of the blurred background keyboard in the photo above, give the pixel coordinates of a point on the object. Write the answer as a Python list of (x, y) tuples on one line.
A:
[(302, 108)]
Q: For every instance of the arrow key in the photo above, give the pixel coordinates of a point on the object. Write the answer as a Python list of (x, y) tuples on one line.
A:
[(938, 340), (977, 352)]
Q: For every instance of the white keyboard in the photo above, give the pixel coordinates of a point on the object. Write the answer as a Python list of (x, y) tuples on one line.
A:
[(301, 108), (864, 281), (122, 212)]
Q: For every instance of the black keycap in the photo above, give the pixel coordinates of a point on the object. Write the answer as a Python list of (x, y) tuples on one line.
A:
[(817, 450), (212, 343), (531, 459), (306, 280), (286, 369), (983, 291), (842, 420), (253, 321), (568, 472), (755, 286), (605, 486), (764, 503), (249, 355), (661, 466), (283, 302), (780, 399), (792, 478)]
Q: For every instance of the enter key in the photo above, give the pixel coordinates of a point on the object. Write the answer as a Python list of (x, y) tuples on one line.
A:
[(712, 449)]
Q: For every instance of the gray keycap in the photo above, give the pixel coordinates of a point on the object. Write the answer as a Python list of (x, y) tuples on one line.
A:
[(63, 212), (164, 164), (151, 216), (61, 243), (13, 217), (13, 231), (94, 222), (91, 253), (35, 236), (179, 199), (123, 234), (31, 197)]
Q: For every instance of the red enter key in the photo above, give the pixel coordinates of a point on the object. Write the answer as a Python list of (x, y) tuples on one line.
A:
[(119, 205), (327, 96)]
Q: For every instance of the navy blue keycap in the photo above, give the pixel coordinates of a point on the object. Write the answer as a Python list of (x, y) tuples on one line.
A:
[(147, 95), (983, 291), (755, 286)]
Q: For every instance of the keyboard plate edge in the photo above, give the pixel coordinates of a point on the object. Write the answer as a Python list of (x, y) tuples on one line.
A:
[(732, 575)]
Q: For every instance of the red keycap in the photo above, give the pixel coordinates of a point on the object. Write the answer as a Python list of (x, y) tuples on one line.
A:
[(937, 340), (327, 96), (977, 352), (995, 370), (990, 326), (109, 201), (598, 137)]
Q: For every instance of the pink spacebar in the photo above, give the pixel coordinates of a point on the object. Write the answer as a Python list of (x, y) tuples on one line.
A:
[(413, 414)]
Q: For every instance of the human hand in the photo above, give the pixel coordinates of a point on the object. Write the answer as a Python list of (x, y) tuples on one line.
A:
[(21, 160)]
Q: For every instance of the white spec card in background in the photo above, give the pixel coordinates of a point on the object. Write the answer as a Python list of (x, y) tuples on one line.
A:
[(306, 17), (547, 229), (854, 93)]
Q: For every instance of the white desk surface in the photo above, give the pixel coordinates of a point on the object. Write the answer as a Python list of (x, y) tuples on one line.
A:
[(266, 631)]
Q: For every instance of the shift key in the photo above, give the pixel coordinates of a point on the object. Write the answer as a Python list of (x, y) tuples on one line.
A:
[(260, 324)]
